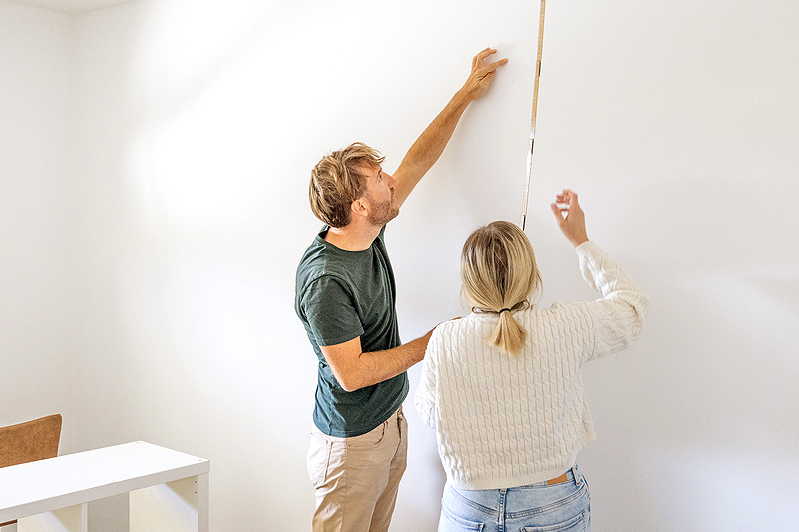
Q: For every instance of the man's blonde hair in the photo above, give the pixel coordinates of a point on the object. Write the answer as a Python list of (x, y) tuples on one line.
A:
[(337, 181), (498, 271)]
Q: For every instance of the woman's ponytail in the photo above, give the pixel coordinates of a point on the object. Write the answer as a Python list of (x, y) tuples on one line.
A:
[(499, 275), (508, 335)]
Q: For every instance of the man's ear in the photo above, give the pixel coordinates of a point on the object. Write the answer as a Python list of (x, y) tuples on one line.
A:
[(360, 207)]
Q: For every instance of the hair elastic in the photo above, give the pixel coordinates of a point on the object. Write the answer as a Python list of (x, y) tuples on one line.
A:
[(503, 310)]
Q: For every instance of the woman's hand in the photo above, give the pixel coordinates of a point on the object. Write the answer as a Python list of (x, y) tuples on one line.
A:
[(573, 223)]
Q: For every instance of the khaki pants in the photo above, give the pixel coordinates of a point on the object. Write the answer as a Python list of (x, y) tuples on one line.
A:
[(356, 479)]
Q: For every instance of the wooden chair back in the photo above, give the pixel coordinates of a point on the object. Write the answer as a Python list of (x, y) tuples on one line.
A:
[(30, 441)]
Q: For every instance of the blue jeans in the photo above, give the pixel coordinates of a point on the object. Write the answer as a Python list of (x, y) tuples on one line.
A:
[(564, 507)]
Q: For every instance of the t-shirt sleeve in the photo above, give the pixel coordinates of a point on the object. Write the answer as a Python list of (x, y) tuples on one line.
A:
[(330, 311)]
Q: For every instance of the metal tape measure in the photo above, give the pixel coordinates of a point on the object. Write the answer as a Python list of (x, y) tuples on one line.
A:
[(535, 108)]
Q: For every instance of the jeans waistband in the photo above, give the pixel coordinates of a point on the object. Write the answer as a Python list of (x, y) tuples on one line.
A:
[(572, 474)]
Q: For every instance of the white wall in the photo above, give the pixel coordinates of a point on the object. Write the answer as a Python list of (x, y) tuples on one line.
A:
[(195, 128), (36, 357)]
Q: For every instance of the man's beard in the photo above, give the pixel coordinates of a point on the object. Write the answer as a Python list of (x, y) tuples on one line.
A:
[(383, 213)]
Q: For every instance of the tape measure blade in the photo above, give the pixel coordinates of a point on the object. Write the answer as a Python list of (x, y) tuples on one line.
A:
[(533, 118)]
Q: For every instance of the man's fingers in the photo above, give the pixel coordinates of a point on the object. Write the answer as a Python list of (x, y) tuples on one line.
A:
[(480, 57), (485, 53), (496, 64)]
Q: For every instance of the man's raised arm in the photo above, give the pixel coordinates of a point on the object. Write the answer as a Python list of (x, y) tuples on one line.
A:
[(431, 143)]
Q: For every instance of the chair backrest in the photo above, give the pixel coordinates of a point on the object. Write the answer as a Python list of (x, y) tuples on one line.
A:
[(30, 441)]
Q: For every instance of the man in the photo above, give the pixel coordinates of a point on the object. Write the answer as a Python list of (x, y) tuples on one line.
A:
[(345, 297)]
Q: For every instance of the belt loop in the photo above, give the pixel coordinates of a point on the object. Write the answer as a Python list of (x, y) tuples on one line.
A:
[(577, 478), (503, 493)]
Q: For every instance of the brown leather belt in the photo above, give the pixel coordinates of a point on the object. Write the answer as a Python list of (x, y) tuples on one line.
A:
[(559, 480)]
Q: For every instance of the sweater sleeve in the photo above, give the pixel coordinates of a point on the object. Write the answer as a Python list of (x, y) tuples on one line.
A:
[(618, 317), (426, 392)]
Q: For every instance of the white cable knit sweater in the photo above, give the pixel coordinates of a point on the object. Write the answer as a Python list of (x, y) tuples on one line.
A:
[(503, 420)]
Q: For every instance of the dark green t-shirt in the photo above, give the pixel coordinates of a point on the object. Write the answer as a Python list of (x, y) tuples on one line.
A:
[(341, 295)]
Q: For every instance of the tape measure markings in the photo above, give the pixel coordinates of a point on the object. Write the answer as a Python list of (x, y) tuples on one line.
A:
[(535, 110)]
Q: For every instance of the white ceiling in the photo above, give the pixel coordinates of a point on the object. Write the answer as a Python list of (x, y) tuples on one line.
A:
[(72, 6)]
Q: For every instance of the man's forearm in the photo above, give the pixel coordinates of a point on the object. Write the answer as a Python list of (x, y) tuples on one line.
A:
[(424, 153), (379, 366)]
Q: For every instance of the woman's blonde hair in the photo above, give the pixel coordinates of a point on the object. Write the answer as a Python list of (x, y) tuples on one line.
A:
[(337, 180), (499, 275)]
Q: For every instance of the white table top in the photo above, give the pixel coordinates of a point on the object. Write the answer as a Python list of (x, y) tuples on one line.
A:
[(45, 485)]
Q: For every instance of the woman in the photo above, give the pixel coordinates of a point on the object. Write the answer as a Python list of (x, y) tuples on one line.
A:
[(503, 389)]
